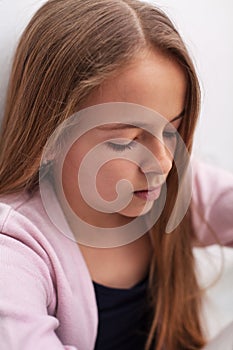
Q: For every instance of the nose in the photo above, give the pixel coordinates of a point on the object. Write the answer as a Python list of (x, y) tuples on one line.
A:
[(158, 160)]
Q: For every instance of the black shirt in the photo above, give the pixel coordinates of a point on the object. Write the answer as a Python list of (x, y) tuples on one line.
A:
[(123, 317)]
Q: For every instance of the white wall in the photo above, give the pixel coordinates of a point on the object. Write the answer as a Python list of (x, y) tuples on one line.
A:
[(206, 26), (14, 16), (207, 29)]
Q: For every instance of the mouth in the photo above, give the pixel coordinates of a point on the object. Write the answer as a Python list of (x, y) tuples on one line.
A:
[(150, 194)]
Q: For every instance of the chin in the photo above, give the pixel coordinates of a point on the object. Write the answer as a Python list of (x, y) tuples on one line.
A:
[(132, 212)]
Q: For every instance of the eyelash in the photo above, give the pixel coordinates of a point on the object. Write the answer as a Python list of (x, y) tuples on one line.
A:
[(121, 147), (170, 135), (129, 146)]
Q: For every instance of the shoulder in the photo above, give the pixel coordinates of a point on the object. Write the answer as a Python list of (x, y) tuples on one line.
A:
[(23, 238), (29, 236), (25, 252), (210, 180), (26, 224), (22, 217), (25, 217), (212, 203)]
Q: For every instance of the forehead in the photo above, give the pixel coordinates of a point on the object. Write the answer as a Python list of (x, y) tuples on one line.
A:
[(108, 117), (152, 80)]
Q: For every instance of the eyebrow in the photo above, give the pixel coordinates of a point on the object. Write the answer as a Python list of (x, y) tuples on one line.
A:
[(120, 126)]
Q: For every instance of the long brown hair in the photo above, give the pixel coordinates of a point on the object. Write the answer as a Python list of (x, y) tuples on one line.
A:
[(68, 49)]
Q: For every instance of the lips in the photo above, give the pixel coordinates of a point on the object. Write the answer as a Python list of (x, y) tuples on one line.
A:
[(150, 194)]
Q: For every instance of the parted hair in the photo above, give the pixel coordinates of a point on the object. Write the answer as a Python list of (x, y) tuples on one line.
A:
[(66, 51)]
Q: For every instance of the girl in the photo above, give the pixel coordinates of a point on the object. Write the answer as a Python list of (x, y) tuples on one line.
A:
[(77, 56)]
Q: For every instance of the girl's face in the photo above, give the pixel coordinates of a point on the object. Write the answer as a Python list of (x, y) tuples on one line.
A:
[(153, 81)]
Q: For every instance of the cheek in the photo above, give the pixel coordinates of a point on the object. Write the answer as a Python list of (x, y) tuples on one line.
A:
[(111, 173), (69, 178), (70, 168)]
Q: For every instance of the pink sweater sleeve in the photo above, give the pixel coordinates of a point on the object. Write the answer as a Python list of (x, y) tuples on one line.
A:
[(212, 200), (25, 298)]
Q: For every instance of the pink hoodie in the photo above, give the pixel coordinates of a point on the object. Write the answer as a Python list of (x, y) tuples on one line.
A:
[(47, 299)]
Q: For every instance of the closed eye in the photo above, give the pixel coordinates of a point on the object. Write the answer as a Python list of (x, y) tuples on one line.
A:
[(120, 147), (170, 134)]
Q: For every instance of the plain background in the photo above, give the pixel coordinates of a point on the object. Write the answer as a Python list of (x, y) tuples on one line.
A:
[(206, 27)]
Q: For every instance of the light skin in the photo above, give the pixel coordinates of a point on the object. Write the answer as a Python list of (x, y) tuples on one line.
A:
[(156, 82)]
